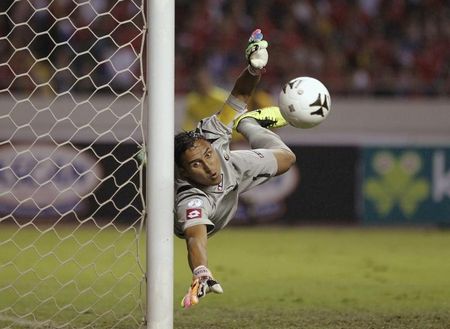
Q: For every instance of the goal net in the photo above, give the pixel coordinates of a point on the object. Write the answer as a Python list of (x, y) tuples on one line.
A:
[(71, 170)]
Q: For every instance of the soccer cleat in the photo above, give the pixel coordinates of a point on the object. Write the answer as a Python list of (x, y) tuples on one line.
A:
[(267, 117)]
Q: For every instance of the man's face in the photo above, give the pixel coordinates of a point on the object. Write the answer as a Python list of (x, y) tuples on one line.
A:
[(201, 164)]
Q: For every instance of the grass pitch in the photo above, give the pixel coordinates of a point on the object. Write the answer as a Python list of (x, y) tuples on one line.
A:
[(323, 278), (309, 278)]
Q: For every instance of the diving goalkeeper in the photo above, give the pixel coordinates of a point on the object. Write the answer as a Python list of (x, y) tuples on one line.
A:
[(210, 177)]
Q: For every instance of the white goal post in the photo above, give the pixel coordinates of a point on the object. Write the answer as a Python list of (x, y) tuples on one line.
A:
[(161, 164), (86, 100)]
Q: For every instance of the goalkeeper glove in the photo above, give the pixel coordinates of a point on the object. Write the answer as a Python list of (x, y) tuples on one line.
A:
[(202, 284), (256, 52)]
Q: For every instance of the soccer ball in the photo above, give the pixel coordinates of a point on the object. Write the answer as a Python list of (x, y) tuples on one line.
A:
[(304, 102)]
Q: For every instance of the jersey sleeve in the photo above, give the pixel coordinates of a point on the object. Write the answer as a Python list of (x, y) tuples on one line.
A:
[(191, 211)]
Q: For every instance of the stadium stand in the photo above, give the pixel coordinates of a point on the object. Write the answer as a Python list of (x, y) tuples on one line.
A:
[(365, 47)]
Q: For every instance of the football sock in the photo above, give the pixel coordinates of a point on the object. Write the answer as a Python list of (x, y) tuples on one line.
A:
[(259, 137)]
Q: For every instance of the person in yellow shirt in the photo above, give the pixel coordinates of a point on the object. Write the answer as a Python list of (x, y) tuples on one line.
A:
[(206, 98), (203, 100), (260, 99)]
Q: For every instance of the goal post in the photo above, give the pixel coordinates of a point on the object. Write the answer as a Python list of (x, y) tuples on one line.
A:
[(86, 101), (160, 159)]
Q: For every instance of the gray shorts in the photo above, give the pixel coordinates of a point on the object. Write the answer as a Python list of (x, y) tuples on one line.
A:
[(257, 166)]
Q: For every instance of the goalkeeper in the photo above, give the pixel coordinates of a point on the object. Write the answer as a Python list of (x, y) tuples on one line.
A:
[(210, 177)]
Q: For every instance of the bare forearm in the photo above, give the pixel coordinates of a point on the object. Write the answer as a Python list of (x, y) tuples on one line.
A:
[(197, 254), (245, 85), (196, 242), (242, 91)]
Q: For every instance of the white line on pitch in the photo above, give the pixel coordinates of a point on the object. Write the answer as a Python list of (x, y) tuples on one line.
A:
[(24, 322)]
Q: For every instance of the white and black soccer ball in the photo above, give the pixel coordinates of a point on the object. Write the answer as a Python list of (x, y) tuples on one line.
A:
[(304, 102)]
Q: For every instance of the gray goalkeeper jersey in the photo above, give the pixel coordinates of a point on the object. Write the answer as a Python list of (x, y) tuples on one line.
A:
[(215, 206)]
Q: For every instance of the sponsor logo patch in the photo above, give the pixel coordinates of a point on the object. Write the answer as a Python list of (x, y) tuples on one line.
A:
[(193, 213), (195, 203)]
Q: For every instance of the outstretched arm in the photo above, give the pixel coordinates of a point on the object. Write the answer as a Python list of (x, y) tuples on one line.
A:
[(245, 85), (196, 240), (203, 281), (257, 57)]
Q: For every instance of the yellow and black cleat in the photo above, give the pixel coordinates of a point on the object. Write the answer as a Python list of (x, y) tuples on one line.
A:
[(267, 117)]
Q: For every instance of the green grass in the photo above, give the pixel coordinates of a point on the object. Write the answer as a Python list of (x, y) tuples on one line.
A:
[(324, 278), (59, 276), (272, 277)]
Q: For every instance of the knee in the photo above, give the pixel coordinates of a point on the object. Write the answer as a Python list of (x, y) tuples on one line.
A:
[(291, 158), (285, 159)]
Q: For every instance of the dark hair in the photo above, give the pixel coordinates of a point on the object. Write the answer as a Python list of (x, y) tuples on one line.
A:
[(184, 141)]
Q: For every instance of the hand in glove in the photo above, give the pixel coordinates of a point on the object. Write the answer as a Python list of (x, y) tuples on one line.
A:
[(202, 284), (256, 52)]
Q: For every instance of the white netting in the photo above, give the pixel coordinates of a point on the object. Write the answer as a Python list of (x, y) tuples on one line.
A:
[(71, 182)]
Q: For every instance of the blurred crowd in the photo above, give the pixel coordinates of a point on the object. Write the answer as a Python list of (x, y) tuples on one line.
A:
[(54, 47), (369, 47), (356, 47)]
